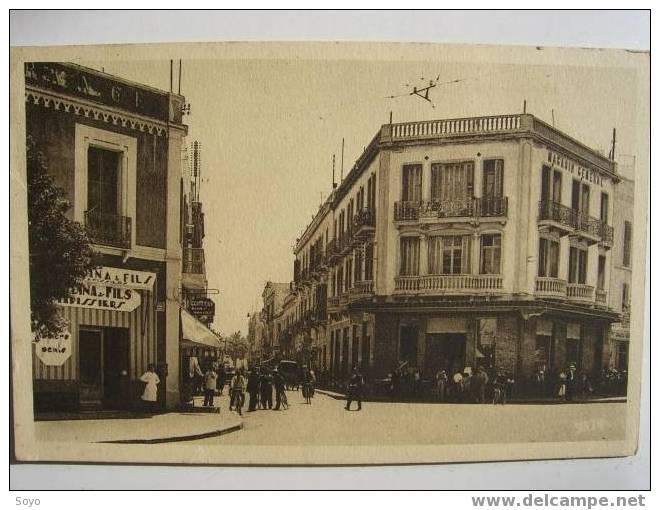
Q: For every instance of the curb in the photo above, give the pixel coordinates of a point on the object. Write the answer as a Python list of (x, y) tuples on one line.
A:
[(614, 400), (191, 437)]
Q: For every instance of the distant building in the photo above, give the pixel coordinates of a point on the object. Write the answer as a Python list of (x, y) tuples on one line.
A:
[(255, 337), (457, 243)]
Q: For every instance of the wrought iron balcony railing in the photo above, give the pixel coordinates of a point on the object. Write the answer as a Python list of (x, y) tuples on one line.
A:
[(472, 207), (108, 229), (193, 261)]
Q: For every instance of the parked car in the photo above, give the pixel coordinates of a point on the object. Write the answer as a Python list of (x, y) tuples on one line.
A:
[(291, 372)]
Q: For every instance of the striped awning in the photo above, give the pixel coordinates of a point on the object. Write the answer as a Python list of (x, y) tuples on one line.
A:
[(194, 333)]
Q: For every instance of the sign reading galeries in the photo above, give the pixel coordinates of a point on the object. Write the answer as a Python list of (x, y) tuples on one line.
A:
[(110, 288)]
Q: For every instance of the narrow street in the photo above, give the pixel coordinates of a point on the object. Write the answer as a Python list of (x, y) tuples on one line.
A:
[(325, 422)]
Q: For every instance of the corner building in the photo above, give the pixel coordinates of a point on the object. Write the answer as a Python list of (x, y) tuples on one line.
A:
[(460, 242), (114, 146)]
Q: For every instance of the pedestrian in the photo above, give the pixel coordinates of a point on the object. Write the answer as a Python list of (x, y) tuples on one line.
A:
[(561, 389), (394, 383), (253, 389), (457, 388), (479, 382), (238, 385), (441, 382), (195, 375), (417, 383), (571, 377), (355, 385), (278, 382), (266, 387), (500, 386), (222, 378), (210, 383), (150, 393)]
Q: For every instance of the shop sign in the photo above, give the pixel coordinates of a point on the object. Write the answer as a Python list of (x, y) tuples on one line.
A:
[(201, 307), (53, 352), (91, 294), (579, 171), (122, 277), (77, 81)]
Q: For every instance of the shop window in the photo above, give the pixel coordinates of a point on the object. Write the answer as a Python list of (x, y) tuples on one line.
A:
[(548, 258), (572, 351), (491, 248), (542, 352), (409, 256)]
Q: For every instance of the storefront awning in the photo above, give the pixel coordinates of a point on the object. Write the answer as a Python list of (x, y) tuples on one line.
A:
[(196, 334)]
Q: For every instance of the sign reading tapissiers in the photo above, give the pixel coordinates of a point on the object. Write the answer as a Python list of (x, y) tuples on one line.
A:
[(53, 352), (122, 277), (99, 88), (90, 294)]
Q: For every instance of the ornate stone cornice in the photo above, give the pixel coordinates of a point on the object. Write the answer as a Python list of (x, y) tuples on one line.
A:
[(89, 110)]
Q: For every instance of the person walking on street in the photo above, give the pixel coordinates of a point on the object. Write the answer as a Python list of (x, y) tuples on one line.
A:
[(571, 380), (441, 381), (253, 389), (278, 382), (150, 394), (479, 381), (266, 386), (210, 384), (238, 385), (355, 385)]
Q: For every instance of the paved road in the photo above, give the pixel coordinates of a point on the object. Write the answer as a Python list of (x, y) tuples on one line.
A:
[(325, 422)]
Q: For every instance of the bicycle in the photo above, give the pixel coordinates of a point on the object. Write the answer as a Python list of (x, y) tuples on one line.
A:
[(283, 400)]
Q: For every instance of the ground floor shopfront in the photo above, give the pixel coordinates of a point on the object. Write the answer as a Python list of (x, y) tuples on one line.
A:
[(526, 340), (115, 328)]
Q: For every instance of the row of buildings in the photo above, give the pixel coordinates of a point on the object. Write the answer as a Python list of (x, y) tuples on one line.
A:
[(497, 241), (118, 150)]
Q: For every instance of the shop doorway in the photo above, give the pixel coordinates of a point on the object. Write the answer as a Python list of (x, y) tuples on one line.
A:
[(104, 366), (408, 345), (444, 351)]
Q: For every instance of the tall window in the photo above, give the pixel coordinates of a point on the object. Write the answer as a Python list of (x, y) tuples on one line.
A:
[(452, 181), (409, 256), (548, 258), (625, 297), (357, 276), (550, 191), (577, 265), (493, 185), (604, 206), (449, 255), (411, 190), (627, 242), (103, 181), (580, 197), (369, 262), (491, 248), (601, 272)]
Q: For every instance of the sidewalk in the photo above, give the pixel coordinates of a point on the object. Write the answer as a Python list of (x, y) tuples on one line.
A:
[(141, 429), (431, 400)]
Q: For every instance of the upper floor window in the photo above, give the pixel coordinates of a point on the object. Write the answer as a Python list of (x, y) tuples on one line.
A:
[(577, 265), (449, 255), (452, 181), (409, 264), (627, 242), (580, 197), (369, 262), (411, 186), (103, 181), (491, 248), (601, 272), (548, 258), (550, 185), (493, 177), (625, 297), (604, 207)]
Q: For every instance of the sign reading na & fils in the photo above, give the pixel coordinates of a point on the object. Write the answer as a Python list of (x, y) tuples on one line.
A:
[(110, 288)]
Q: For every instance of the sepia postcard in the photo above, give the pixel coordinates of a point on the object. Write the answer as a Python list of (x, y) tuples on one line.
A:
[(327, 253)]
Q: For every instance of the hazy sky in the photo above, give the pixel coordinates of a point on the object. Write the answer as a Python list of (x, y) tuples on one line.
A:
[(268, 129)]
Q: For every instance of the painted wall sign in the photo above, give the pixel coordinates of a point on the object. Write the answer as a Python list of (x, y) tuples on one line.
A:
[(122, 277), (201, 307), (53, 352), (92, 294), (73, 80), (579, 171)]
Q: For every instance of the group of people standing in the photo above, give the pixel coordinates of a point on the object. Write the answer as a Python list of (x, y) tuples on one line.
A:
[(473, 387)]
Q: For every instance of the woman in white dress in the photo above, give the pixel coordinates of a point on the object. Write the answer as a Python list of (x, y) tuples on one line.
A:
[(150, 394)]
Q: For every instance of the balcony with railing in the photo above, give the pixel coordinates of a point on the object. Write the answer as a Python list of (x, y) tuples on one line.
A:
[(448, 284), (364, 223), (601, 298), (108, 229), (568, 220), (193, 261), (550, 288), (580, 293), (472, 209), (456, 127), (361, 289)]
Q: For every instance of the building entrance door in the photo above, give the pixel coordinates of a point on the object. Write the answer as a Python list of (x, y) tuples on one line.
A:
[(408, 345), (116, 388), (91, 373), (444, 351)]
